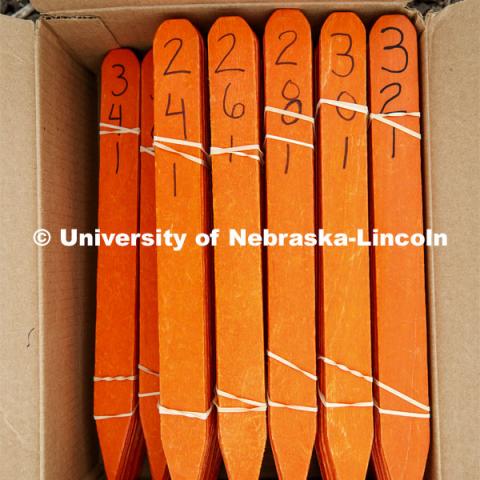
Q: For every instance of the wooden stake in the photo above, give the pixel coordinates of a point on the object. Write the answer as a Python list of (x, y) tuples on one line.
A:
[(291, 270), (184, 303), (149, 364), (234, 107), (115, 387), (346, 416), (400, 347)]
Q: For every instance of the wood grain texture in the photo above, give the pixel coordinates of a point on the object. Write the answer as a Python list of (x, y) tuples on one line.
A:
[(345, 433), (148, 310), (116, 348), (290, 201), (400, 339), (184, 287), (234, 121)]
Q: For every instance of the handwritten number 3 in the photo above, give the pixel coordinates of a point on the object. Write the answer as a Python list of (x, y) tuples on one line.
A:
[(120, 76), (394, 47), (345, 54)]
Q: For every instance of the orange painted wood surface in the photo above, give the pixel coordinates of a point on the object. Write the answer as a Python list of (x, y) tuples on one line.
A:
[(290, 201), (345, 432), (115, 386), (184, 288), (234, 121), (148, 311), (400, 346)]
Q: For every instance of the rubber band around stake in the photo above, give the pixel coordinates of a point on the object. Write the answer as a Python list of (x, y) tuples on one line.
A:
[(119, 378), (255, 405), (239, 151), (161, 143), (300, 408), (288, 113), (385, 387), (289, 140), (184, 413), (382, 117), (291, 365), (144, 369), (148, 394), (343, 405), (149, 150), (354, 107), (116, 129), (119, 415)]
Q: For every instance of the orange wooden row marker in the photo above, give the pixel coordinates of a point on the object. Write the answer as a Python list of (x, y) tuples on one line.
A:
[(115, 387), (289, 156), (148, 367), (188, 421), (346, 411), (236, 168), (400, 338)]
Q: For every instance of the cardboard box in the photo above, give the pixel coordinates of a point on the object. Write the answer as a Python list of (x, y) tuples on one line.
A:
[(48, 155)]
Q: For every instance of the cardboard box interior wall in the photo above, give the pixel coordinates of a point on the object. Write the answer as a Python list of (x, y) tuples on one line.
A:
[(48, 156)]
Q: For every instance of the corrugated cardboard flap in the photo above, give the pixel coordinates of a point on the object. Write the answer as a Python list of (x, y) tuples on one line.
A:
[(19, 352), (452, 98), (49, 6)]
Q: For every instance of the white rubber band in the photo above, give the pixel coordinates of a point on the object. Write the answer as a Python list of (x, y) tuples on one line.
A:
[(255, 405), (354, 107), (288, 113), (239, 151), (380, 384), (120, 378), (149, 150), (116, 129), (119, 415), (285, 362), (401, 395), (148, 394), (300, 408), (382, 117), (342, 405), (289, 140), (144, 369), (184, 413), (400, 413), (160, 142), (333, 363)]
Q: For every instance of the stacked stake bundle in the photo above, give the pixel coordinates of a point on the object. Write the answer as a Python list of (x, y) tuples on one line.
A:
[(400, 337), (188, 427), (346, 417), (148, 367), (236, 168), (290, 197), (115, 381)]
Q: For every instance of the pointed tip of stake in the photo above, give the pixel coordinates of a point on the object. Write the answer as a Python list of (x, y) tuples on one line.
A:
[(292, 452), (243, 459), (113, 434)]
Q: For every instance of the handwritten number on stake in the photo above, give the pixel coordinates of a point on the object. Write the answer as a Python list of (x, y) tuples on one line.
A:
[(169, 113), (286, 34), (220, 67), (238, 109), (292, 99), (121, 77), (345, 54), (396, 46), (168, 70)]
